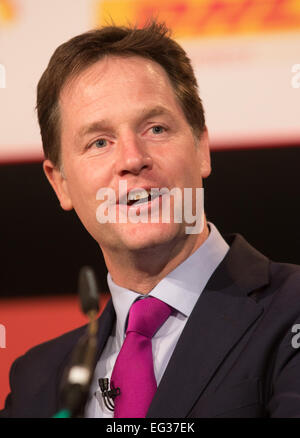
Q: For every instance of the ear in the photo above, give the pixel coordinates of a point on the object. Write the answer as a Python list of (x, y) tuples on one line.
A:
[(204, 153), (58, 183)]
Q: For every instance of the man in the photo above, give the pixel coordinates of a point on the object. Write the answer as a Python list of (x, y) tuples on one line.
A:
[(120, 105)]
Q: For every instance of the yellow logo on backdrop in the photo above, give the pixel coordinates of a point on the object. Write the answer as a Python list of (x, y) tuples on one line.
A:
[(190, 18), (7, 11)]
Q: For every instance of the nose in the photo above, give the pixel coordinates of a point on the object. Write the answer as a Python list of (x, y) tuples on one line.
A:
[(132, 156)]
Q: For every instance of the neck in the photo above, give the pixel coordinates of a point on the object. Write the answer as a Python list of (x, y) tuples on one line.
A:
[(142, 270)]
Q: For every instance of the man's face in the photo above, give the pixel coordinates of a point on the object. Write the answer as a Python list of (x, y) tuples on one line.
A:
[(120, 121)]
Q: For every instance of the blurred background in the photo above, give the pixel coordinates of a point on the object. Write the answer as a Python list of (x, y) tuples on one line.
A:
[(246, 55)]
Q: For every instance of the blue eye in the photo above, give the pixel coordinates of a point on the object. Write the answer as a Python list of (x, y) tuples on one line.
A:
[(157, 129), (100, 143)]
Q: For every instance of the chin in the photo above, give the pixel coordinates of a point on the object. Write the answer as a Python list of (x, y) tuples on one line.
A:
[(143, 236)]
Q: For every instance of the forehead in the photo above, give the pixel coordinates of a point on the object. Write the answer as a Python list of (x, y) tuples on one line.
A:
[(119, 81)]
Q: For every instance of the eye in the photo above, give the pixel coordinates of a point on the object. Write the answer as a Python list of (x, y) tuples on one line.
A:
[(100, 143), (158, 129)]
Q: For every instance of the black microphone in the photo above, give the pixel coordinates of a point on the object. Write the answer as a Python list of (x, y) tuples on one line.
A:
[(78, 375), (88, 290), (108, 395)]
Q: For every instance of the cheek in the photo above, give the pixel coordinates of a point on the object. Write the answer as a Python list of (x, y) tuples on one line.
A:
[(184, 168), (88, 176), (82, 189)]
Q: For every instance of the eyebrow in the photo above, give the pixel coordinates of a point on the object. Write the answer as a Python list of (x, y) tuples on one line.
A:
[(105, 125)]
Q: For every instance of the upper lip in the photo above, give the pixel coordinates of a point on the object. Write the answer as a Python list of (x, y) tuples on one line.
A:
[(123, 198)]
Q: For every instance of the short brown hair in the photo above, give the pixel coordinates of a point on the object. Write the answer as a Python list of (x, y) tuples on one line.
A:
[(71, 58)]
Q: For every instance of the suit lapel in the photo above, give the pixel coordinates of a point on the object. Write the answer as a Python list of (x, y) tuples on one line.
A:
[(222, 315)]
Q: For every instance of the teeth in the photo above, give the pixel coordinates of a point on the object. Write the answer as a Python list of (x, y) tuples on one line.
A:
[(138, 194)]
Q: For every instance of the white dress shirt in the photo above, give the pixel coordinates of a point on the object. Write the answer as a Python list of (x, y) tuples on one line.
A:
[(181, 289)]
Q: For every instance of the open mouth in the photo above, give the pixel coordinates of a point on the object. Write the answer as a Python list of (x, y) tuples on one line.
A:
[(139, 201), (139, 196), (142, 197)]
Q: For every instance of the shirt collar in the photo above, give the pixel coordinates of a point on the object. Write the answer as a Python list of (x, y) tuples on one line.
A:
[(182, 287)]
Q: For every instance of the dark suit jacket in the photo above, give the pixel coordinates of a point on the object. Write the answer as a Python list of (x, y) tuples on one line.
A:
[(235, 357)]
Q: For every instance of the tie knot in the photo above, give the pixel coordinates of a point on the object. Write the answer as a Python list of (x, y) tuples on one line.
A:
[(147, 315)]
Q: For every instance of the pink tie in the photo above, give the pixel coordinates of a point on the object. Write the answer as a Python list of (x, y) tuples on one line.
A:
[(133, 372)]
